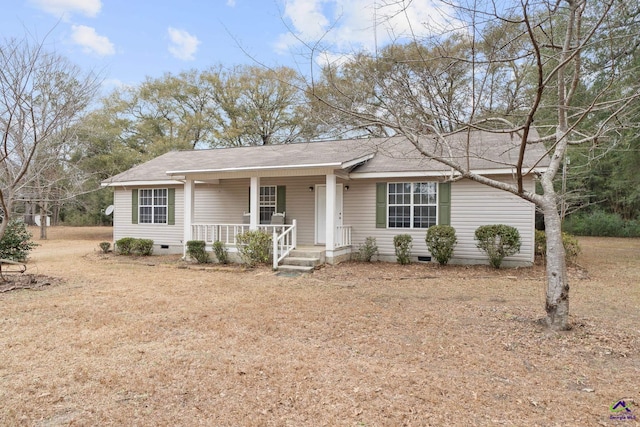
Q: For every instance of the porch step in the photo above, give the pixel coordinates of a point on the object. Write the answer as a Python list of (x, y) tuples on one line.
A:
[(301, 261), (308, 253), (295, 268)]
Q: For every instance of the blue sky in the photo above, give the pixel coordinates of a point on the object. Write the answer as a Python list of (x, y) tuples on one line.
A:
[(128, 40)]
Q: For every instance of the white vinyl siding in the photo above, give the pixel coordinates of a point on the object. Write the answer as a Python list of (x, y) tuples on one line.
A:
[(161, 234), (472, 205)]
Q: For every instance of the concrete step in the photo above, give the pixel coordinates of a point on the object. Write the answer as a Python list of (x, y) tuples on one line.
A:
[(295, 268), (301, 261), (306, 253)]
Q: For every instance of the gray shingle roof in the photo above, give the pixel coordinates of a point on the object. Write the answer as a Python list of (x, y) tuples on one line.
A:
[(383, 155)]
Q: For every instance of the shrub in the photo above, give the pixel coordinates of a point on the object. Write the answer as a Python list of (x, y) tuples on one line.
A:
[(130, 245), (197, 249), (221, 252), (124, 246), (498, 241), (441, 239), (16, 242), (254, 247), (403, 244), (571, 245), (600, 223), (105, 246), (143, 247), (540, 243), (367, 250)]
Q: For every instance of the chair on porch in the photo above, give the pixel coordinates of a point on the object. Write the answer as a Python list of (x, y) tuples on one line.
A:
[(277, 218), (246, 218)]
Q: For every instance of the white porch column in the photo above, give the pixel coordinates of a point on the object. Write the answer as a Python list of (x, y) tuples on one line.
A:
[(254, 203), (330, 216), (189, 187)]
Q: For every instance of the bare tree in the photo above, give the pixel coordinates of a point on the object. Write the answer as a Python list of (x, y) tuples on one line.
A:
[(552, 63), (41, 96)]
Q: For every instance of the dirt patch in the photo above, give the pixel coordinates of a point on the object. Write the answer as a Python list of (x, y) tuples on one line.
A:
[(155, 341)]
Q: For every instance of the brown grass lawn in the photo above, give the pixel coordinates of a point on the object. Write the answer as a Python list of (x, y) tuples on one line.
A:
[(152, 341)]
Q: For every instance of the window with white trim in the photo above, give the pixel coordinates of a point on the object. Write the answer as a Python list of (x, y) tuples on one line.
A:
[(153, 206), (412, 204), (268, 203)]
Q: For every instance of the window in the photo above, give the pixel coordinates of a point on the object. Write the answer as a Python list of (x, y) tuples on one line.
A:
[(412, 204), (268, 203), (153, 206)]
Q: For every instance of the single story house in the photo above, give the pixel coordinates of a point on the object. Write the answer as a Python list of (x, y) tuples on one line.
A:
[(328, 196)]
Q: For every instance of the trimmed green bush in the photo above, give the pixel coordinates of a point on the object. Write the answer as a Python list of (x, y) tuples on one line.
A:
[(571, 246), (105, 246), (441, 239), (124, 246), (254, 247), (16, 242), (143, 247), (367, 250), (498, 241), (221, 252), (133, 246), (403, 244), (197, 249)]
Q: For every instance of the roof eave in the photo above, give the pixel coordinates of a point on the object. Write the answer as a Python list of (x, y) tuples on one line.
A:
[(439, 173), (140, 183)]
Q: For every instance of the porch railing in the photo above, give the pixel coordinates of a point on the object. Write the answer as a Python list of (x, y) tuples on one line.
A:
[(284, 236), (226, 233), (343, 235), (284, 242)]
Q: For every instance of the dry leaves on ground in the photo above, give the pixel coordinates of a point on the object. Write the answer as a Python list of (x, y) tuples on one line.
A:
[(155, 341)]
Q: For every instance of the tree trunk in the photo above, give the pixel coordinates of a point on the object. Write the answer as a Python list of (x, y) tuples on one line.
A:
[(43, 221), (557, 301)]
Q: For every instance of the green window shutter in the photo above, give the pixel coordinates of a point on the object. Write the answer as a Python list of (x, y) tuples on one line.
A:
[(171, 206), (134, 206), (444, 203), (381, 205), (281, 199)]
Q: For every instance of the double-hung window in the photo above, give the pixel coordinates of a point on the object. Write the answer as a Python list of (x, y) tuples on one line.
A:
[(412, 204), (153, 206), (268, 203)]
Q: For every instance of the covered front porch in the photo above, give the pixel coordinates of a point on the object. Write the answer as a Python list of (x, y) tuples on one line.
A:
[(218, 208)]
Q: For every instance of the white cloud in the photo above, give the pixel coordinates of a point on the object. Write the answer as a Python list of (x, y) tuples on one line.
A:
[(231, 3), (352, 25), (183, 45), (90, 41), (63, 8)]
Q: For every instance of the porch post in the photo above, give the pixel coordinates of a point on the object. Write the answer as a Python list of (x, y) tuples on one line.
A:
[(188, 213), (330, 215), (254, 203)]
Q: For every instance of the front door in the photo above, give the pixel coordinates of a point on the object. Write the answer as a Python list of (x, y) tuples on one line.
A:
[(321, 211)]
